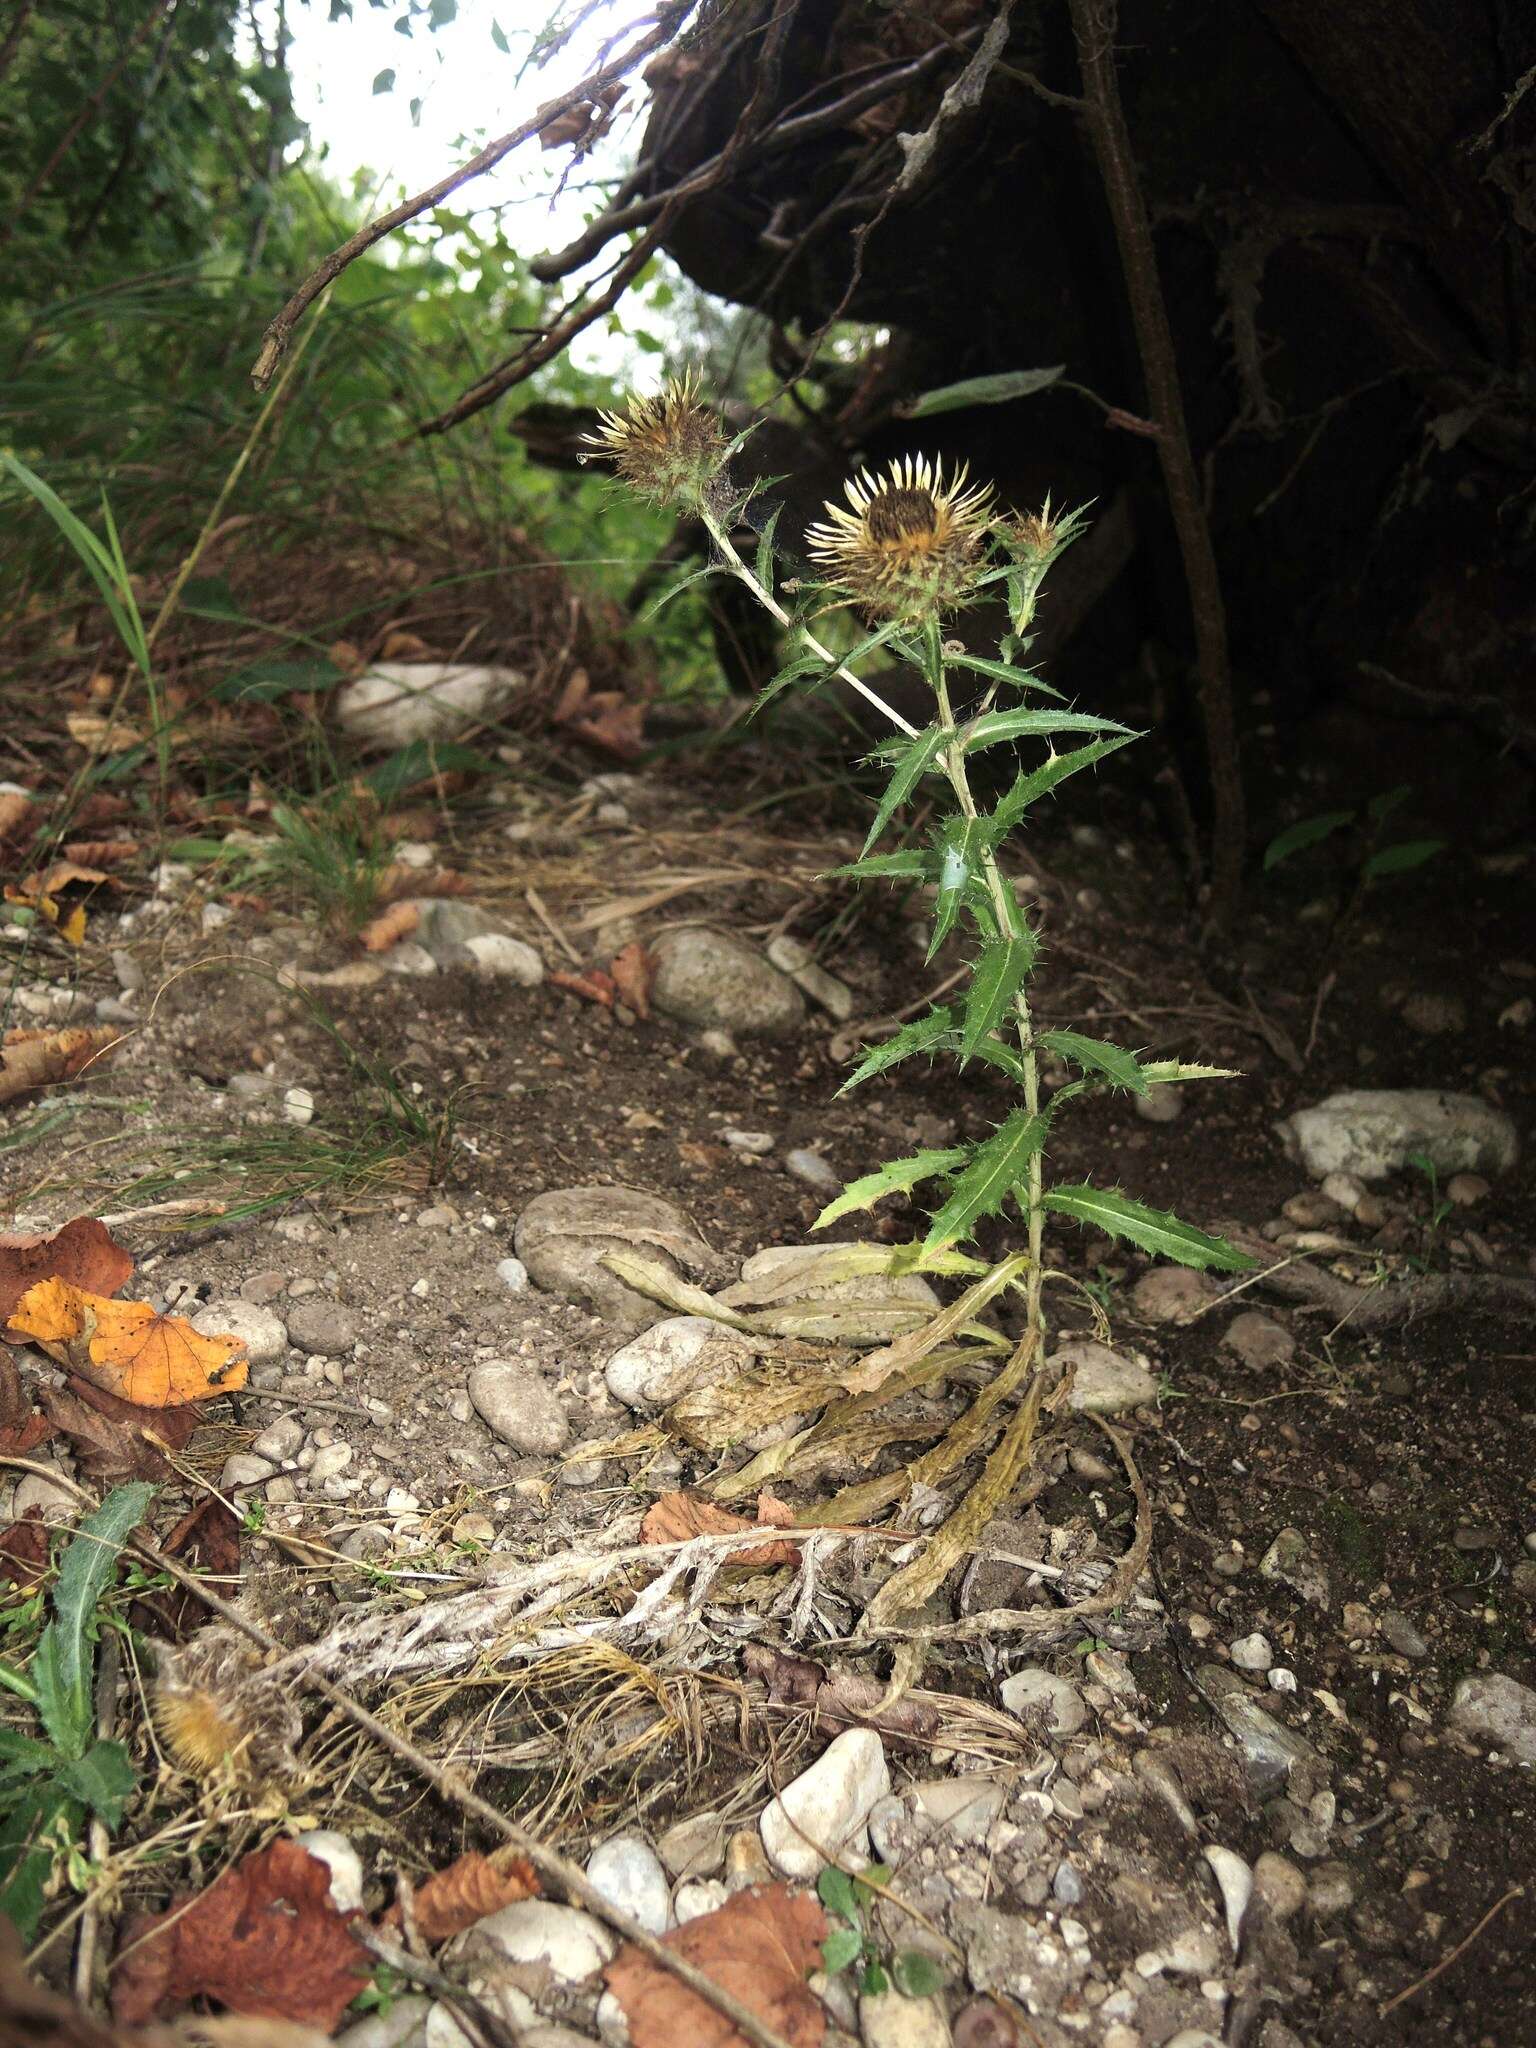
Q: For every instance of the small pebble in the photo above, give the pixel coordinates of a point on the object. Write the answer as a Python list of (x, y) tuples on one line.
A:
[(513, 1275), (810, 1167), (299, 1106), (1253, 1653)]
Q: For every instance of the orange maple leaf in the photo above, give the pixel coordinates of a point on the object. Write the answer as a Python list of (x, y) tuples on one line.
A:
[(127, 1347)]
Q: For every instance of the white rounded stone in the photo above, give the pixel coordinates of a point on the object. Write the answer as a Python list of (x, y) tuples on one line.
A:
[(822, 1816)]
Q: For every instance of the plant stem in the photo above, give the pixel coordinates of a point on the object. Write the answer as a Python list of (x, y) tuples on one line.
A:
[(1094, 23), (1004, 910), (771, 605)]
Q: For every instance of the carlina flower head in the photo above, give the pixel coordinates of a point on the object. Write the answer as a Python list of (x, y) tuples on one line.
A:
[(669, 448), (910, 544)]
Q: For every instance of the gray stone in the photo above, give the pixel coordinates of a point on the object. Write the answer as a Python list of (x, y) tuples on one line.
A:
[(1162, 1104), (946, 1809), (1104, 1381), (56, 1503), (259, 1330), (500, 957), (1066, 1885), (343, 1862), (887, 2020), (1038, 1694), (1402, 1635), (1171, 1294), (693, 1847), (1259, 1341), (241, 1469), (366, 1542), (1290, 1559), (280, 1440), (1252, 1653), (808, 1165), (330, 1460), (1370, 1132), (823, 1815), (513, 1275), (562, 1238), (409, 960), (628, 1873), (572, 1944), (697, 1896), (1499, 1711), (1279, 1886), (519, 1407), (716, 981), (397, 702), (672, 1358), (1271, 1748), (757, 1144), (317, 1325), (445, 925)]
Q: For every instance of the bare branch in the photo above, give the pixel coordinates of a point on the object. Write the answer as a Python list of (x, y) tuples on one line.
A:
[(669, 19)]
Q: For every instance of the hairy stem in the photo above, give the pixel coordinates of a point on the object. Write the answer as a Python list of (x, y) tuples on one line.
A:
[(771, 605), (952, 761)]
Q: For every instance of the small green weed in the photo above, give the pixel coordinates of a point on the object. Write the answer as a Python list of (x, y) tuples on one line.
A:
[(1375, 861), (330, 855), (848, 1947), (1440, 1206), (54, 1780)]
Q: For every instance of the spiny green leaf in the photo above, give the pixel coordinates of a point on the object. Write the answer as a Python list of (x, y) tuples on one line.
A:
[(676, 589), (1154, 1072), (1381, 806), (1400, 859), (793, 671), (995, 981), (961, 843), (764, 563), (1155, 1230), (996, 1054), (996, 1169), (913, 763), (994, 727), (924, 1034), (1002, 672), (895, 1177), (997, 388), (1098, 1056), (1308, 832), (1040, 781), (907, 864)]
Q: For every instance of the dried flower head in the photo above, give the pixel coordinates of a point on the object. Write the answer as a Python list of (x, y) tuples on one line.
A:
[(911, 544), (669, 448)]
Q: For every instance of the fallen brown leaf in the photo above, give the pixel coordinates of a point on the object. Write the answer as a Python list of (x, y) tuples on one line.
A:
[(108, 1433), (24, 1551), (348, 657), (791, 1681), (678, 1516), (16, 815), (761, 1946), (36, 1059), (399, 879), (82, 1251), (455, 1898), (205, 1540), (594, 987), (100, 853), (100, 735), (32, 2016), (264, 1938), (632, 972), (127, 1348), (49, 881), (390, 927), (398, 645)]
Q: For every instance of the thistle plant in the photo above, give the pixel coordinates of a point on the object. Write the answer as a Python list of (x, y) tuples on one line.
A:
[(909, 548)]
